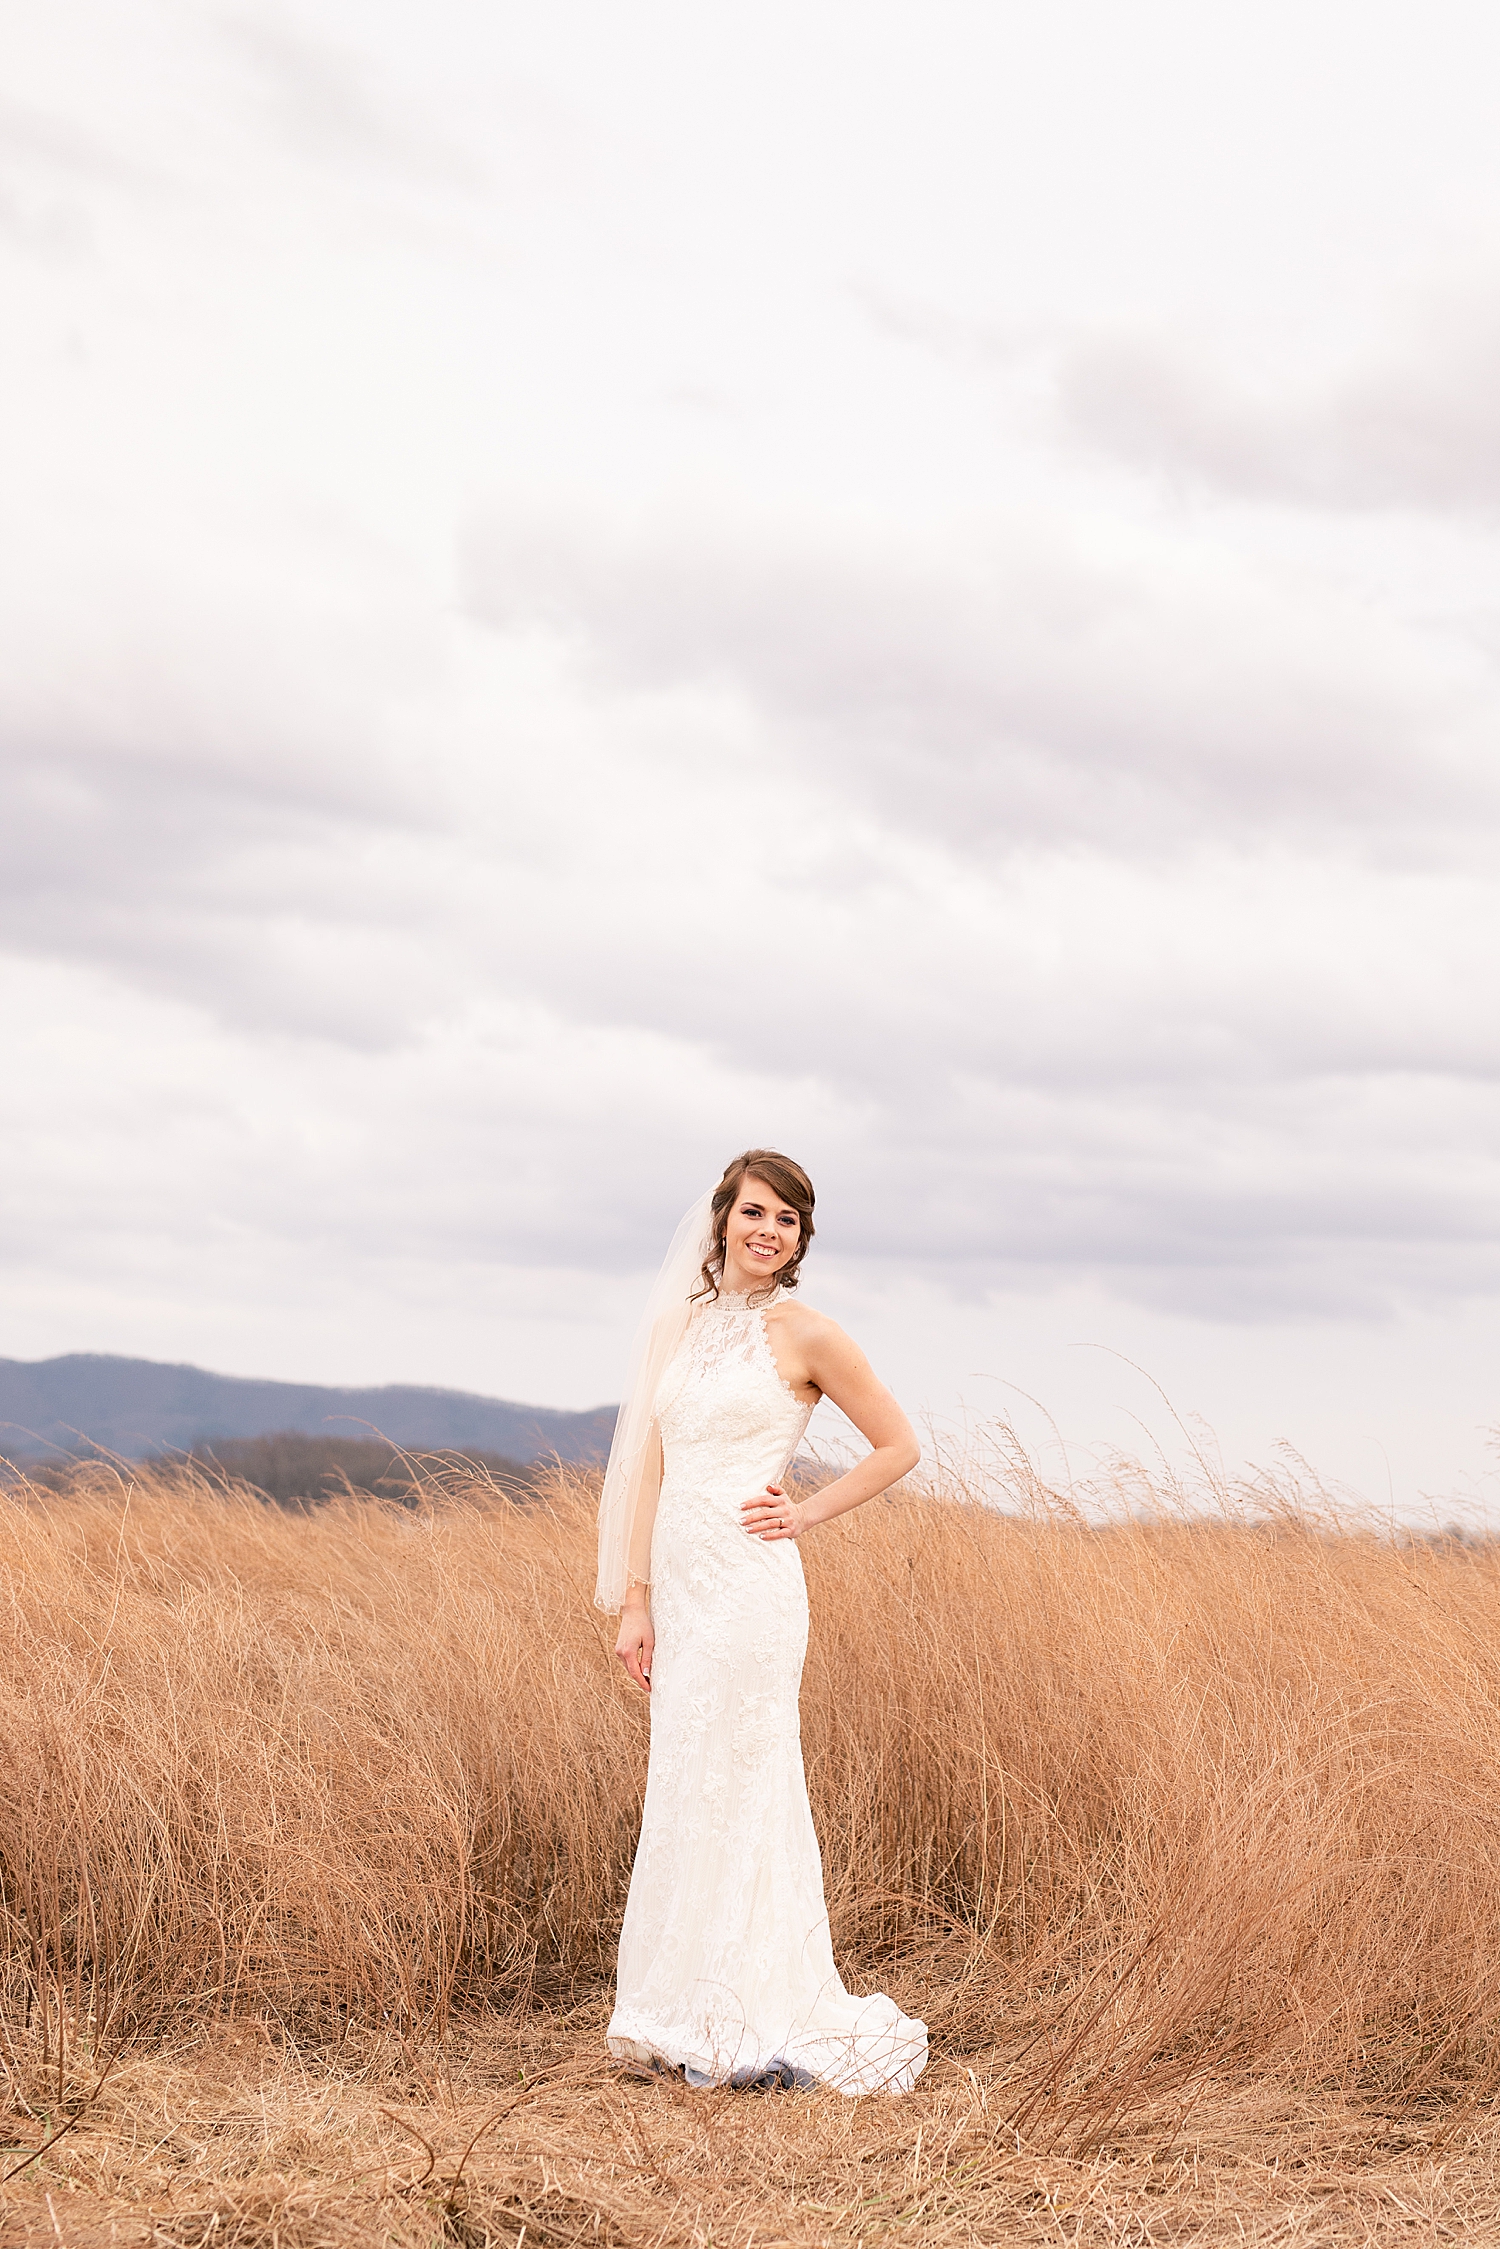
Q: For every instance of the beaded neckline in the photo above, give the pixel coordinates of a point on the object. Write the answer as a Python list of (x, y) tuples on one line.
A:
[(739, 1299)]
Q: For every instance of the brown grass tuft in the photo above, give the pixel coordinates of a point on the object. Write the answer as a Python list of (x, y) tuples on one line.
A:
[(1155, 1820)]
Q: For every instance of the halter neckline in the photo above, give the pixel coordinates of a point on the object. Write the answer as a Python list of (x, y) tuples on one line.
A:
[(742, 1297)]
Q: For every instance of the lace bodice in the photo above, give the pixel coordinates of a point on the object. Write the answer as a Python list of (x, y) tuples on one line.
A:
[(724, 1382), (729, 1426)]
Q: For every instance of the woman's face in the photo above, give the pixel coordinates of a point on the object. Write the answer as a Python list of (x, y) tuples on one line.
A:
[(760, 1236)]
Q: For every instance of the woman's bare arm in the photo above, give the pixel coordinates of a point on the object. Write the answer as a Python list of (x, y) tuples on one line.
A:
[(817, 1351)]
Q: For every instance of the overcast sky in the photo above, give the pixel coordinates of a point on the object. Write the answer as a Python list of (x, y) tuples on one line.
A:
[(585, 585)]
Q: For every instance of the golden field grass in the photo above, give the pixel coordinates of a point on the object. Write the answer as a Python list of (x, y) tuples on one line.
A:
[(1181, 1832)]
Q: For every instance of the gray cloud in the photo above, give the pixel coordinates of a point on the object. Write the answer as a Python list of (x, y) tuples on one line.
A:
[(35, 140), (327, 101), (1420, 429), (207, 884), (54, 178), (1033, 696), (473, 963)]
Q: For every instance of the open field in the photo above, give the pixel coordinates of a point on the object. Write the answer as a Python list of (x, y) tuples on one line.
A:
[(314, 1834)]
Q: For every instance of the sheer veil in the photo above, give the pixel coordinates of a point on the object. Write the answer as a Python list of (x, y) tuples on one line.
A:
[(627, 1506)]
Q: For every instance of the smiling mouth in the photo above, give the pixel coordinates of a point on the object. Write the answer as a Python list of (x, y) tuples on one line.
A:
[(756, 1251)]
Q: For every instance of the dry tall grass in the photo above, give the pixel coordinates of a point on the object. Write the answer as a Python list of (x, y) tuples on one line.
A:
[(1123, 1811)]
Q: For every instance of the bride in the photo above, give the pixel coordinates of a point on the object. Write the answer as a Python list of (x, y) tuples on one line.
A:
[(726, 1966)]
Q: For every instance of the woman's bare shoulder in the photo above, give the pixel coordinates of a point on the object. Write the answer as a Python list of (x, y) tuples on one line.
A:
[(803, 1324)]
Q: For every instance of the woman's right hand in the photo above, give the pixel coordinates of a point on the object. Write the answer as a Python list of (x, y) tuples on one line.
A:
[(637, 1643)]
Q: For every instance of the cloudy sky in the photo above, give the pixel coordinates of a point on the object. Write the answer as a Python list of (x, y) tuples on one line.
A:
[(584, 586)]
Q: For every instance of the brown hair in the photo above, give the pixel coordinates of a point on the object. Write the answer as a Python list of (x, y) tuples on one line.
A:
[(790, 1182)]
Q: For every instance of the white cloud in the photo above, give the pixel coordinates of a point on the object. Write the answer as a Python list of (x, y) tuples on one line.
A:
[(522, 677)]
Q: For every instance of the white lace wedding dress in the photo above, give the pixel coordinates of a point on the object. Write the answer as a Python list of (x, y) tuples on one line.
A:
[(726, 1965)]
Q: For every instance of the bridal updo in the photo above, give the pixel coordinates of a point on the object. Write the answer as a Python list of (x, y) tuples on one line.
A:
[(789, 1182)]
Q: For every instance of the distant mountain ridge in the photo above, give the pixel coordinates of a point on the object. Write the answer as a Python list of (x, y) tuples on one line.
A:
[(137, 1407)]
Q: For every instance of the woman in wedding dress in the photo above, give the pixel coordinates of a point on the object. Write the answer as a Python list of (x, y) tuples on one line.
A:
[(726, 1966)]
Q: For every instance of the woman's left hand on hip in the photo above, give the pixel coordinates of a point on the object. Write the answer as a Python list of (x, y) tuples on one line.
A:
[(772, 1515)]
